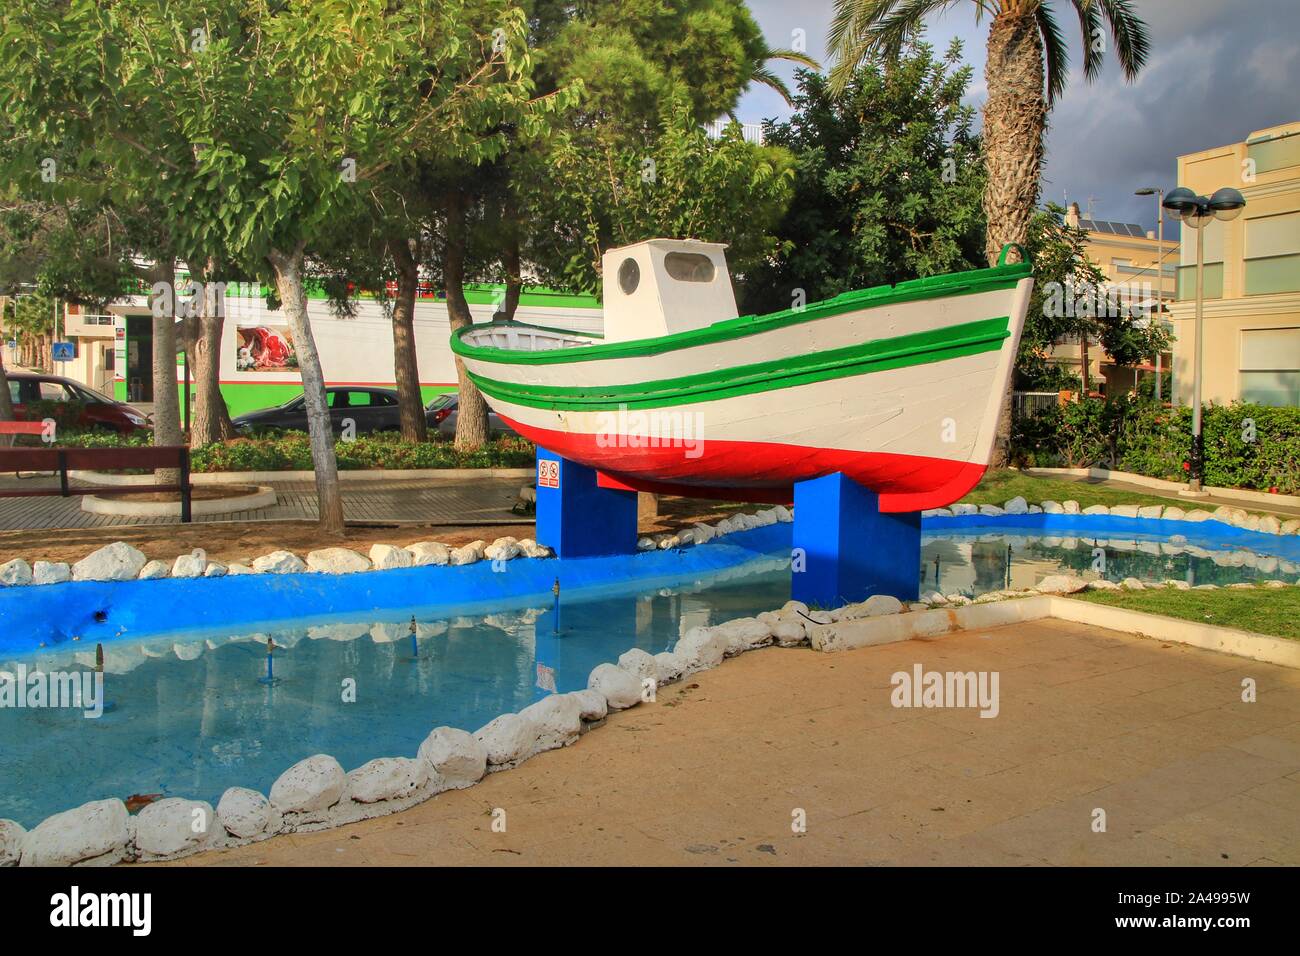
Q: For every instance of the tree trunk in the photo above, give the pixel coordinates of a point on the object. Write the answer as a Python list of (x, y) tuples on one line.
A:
[(166, 398), (1015, 117), (288, 281), (510, 259), (1083, 362), (472, 411), (209, 416), (406, 367)]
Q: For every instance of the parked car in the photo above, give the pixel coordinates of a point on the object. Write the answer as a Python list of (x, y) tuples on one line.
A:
[(97, 411), (369, 410), (441, 414)]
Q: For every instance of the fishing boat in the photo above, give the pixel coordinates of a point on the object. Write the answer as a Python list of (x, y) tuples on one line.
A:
[(898, 387)]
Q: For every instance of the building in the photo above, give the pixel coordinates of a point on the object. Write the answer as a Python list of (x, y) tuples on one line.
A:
[(114, 352), (1140, 274), (1252, 274)]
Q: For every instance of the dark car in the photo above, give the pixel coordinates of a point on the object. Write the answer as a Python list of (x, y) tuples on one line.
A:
[(441, 414), (97, 411), (368, 409)]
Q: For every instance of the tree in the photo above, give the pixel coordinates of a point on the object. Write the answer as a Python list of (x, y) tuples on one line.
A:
[(887, 182), (1070, 304), (1026, 73), (273, 119)]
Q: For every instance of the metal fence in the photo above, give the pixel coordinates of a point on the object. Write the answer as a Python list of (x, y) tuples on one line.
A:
[(1024, 404)]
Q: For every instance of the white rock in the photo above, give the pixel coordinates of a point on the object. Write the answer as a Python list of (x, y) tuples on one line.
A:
[(1052, 508), (874, 606), (743, 634), (385, 556), (783, 514), (532, 549), (933, 597), (279, 562), (93, 831), (16, 572), (703, 534), (155, 569), (509, 738), (1070, 507), (700, 647), (456, 758), (429, 552), (640, 664), (1177, 585), (215, 569), (502, 549), (387, 778), (337, 561), (232, 569), (959, 600), (991, 510), (669, 665), (1096, 510), (51, 572), (1269, 524), (466, 554), (1016, 506), (646, 544), (1173, 513), (620, 688), (1233, 516), (1132, 584), (592, 702), (174, 826), (11, 842), (190, 565), (316, 783), (788, 633), (113, 562), (1101, 584), (558, 720), (1060, 584), (1124, 511), (1150, 511), (244, 813), (1290, 526), (1198, 514), (1035, 510), (795, 606), (962, 508)]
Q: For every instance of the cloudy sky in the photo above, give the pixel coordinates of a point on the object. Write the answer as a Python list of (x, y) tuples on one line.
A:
[(1219, 70)]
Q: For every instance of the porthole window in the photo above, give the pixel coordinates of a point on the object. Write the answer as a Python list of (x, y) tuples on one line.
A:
[(629, 276), (689, 266)]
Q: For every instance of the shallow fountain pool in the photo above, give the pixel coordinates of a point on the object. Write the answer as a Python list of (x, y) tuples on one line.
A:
[(193, 716)]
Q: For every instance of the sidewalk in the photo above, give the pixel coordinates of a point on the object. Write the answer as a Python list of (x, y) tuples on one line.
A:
[(1155, 735), (1209, 503)]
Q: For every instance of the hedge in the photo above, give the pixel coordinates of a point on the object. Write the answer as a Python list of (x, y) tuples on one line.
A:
[(1246, 445)]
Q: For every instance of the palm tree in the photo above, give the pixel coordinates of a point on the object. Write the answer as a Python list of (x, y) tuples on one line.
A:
[(1025, 73)]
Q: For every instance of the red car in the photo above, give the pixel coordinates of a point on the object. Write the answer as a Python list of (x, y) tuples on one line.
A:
[(98, 411)]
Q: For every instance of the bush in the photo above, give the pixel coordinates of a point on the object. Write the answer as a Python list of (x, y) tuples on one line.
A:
[(1246, 445), (291, 451)]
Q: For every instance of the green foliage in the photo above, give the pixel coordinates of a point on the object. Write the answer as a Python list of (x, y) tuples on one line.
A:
[(887, 186), (1246, 445), (291, 451)]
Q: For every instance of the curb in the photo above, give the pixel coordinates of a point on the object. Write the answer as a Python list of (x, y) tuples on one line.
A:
[(263, 497), (1161, 484), (345, 477)]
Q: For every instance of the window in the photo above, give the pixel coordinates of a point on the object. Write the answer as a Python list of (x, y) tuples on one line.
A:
[(53, 392), (689, 266), (629, 276), (1214, 235), (14, 397), (1270, 366), (1273, 254), (381, 400)]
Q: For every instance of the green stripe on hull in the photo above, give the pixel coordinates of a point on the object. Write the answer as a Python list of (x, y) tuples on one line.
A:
[(997, 279), (917, 348)]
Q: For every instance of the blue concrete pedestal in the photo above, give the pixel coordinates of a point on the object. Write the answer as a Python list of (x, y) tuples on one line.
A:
[(575, 516), (846, 549)]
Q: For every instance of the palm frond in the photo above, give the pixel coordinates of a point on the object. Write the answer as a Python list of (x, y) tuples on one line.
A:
[(864, 28), (1132, 39), (766, 77), (1090, 24), (1056, 57), (793, 56)]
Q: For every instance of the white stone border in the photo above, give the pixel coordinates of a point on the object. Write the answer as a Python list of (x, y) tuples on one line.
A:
[(1236, 517), (316, 793), (262, 496), (1163, 484)]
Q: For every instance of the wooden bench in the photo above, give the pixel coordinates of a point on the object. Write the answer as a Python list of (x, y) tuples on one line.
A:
[(64, 460)]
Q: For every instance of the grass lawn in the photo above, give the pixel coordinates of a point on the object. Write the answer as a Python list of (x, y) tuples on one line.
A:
[(1002, 485), (1273, 611)]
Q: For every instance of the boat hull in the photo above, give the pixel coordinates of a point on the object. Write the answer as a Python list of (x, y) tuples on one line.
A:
[(901, 394)]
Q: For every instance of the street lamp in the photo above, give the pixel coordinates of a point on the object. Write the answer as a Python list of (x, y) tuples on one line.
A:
[(1198, 212), (1160, 265)]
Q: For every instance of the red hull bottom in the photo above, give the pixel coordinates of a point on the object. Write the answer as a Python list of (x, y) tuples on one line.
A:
[(761, 471)]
